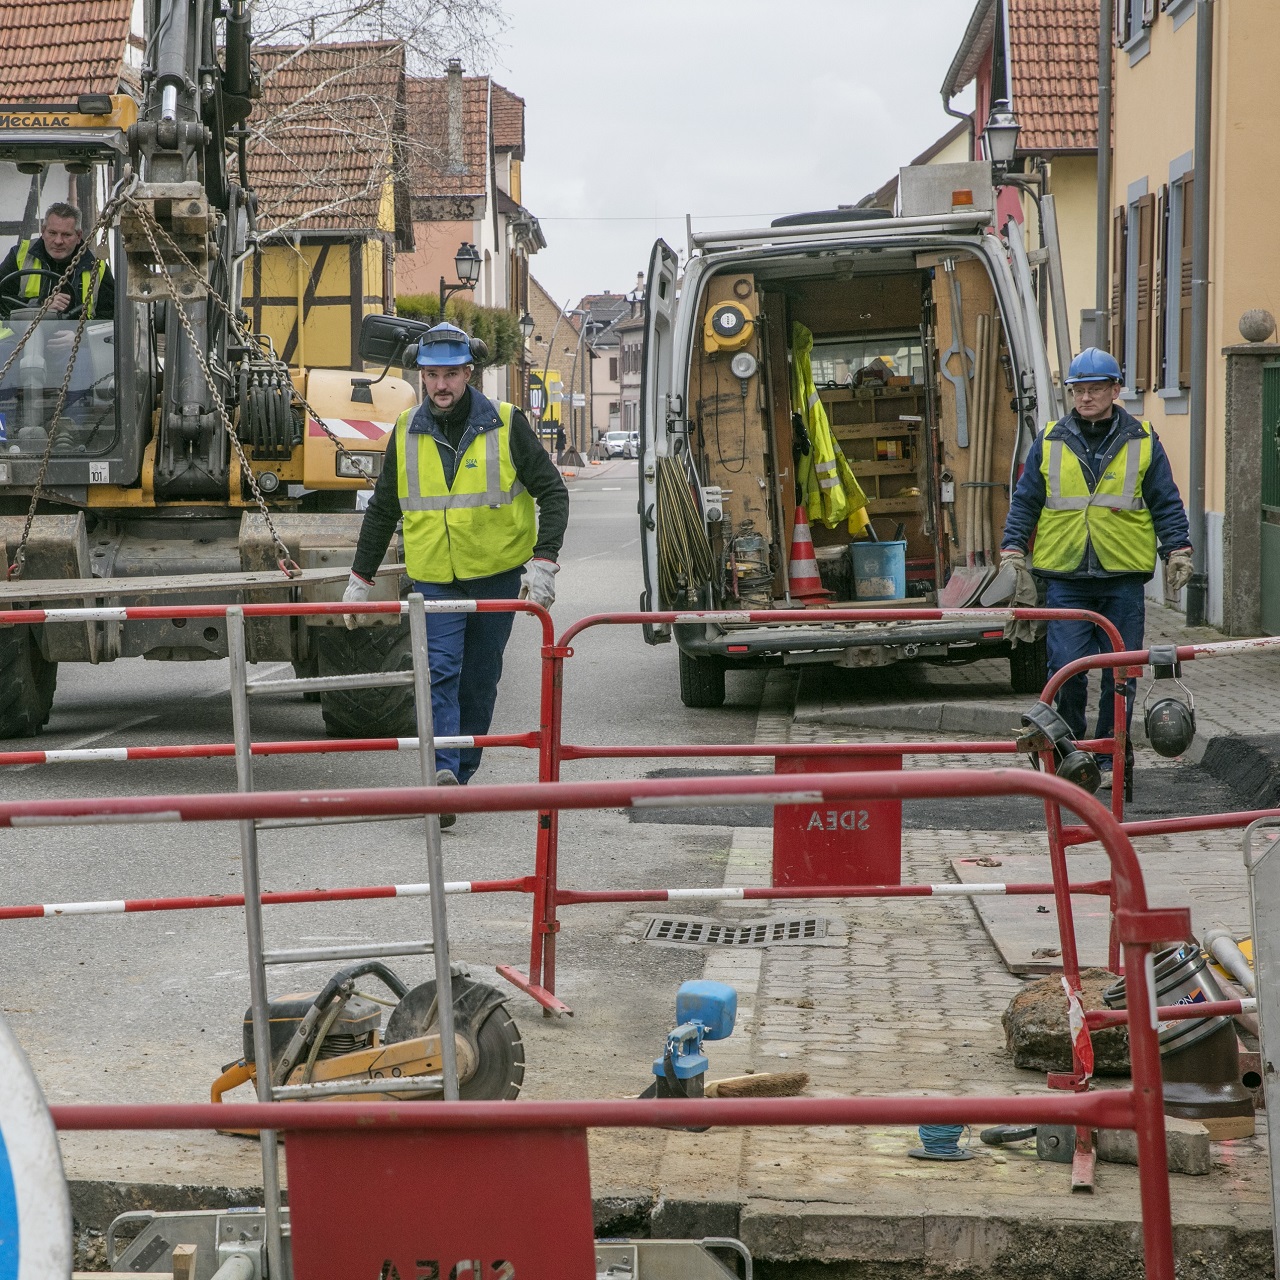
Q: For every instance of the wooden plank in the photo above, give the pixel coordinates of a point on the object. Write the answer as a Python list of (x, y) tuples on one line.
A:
[(184, 1262), (887, 506), (780, 434), (873, 430)]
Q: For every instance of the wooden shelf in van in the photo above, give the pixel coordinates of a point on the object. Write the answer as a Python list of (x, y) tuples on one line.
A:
[(885, 467), (885, 506), (872, 430), (842, 395)]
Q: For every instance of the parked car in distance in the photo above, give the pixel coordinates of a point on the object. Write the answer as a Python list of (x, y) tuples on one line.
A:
[(633, 445), (615, 444)]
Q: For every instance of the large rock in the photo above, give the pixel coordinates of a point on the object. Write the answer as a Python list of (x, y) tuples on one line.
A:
[(1035, 1027)]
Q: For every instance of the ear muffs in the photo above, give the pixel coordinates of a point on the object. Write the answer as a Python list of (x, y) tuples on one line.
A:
[(1170, 722), (479, 350)]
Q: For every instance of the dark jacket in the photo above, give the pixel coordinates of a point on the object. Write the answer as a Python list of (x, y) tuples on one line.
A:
[(1159, 491), (474, 414), (104, 303)]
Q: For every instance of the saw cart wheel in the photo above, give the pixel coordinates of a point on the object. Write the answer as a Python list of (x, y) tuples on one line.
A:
[(480, 1014), (27, 683), (366, 713)]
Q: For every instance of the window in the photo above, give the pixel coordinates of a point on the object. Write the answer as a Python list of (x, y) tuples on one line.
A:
[(1133, 23), (613, 368)]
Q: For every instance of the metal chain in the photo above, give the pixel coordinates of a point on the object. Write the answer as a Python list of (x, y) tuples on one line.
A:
[(14, 570), (247, 339), (286, 562)]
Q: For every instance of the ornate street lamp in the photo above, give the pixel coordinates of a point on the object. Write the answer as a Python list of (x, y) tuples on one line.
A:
[(467, 264), (1000, 136)]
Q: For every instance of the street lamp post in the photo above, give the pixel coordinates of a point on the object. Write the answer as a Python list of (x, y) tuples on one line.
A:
[(467, 264), (526, 332)]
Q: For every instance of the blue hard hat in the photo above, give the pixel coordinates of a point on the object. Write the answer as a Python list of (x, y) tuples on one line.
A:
[(445, 346), (1092, 365)]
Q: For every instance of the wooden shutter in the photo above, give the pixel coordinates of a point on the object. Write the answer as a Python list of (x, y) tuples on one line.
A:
[(1124, 14), (1184, 284), (1148, 12), (1118, 240), (1160, 287), (1145, 209)]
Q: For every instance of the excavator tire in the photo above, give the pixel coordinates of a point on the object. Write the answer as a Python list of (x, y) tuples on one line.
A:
[(366, 713), (27, 683)]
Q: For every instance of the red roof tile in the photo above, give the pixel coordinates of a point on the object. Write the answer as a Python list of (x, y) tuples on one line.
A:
[(441, 162), (53, 50), (1053, 49), (323, 132), (508, 121), (1053, 69)]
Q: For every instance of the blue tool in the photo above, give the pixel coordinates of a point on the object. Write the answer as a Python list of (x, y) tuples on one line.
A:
[(704, 1011)]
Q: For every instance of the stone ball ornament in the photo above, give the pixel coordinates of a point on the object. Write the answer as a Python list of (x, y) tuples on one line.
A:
[(1257, 325), (35, 1210)]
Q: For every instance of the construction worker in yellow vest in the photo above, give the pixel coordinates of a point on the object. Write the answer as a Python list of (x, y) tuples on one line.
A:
[(32, 269), (1097, 494), (482, 505)]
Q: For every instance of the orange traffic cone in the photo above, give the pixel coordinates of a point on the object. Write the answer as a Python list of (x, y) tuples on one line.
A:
[(802, 573)]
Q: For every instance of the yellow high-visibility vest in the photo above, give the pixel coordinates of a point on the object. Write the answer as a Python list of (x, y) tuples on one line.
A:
[(29, 286), (825, 482), (1114, 517), (482, 524)]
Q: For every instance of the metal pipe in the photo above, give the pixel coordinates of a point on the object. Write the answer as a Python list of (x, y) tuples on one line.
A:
[(1102, 278), (237, 1267), (1197, 588), (253, 930), (1222, 946), (827, 230), (435, 858), (967, 117)]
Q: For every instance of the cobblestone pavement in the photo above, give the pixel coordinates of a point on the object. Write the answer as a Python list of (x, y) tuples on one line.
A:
[(913, 1002)]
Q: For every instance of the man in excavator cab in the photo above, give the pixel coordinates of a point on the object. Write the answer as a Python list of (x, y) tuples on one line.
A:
[(31, 270)]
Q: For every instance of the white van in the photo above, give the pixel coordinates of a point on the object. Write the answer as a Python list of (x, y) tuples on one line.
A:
[(929, 360)]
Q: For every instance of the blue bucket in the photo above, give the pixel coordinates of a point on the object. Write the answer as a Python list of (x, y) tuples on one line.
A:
[(879, 570)]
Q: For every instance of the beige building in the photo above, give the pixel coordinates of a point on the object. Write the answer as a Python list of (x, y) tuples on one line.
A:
[(1155, 173), (557, 350)]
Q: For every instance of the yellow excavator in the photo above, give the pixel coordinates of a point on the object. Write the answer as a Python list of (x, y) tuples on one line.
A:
[(165, 453)]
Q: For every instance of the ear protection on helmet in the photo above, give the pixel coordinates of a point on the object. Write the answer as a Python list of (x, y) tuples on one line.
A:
[(1169, 721), (1044, 728)]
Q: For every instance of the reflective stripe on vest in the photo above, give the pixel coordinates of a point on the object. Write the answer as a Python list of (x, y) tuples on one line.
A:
[(30, 287), (1113, 518), (484, 523)]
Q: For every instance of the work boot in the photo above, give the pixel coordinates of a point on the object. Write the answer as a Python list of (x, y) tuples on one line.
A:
[(446, 778)]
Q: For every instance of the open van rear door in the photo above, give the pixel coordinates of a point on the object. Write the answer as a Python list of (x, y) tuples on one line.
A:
[(655, 408), (1049, 407)]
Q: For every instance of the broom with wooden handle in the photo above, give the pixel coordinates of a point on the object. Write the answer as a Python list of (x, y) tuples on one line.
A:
[(763, 1084)]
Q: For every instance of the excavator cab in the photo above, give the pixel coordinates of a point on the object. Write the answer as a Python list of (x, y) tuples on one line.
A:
[(49, 157)]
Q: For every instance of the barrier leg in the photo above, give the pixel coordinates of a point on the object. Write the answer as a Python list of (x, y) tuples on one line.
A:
[(253, 929), (435, 856)]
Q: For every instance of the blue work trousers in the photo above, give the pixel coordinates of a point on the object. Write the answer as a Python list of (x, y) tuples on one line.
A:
[(465, 652), (1122, 601)]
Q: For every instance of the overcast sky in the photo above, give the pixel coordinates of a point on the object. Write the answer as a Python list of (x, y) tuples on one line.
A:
[(731, 110)]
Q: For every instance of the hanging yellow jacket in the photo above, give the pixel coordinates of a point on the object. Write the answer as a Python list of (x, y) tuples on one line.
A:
[(824, 480)]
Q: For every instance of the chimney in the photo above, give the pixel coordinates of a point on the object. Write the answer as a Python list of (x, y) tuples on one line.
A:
[(453, 81)]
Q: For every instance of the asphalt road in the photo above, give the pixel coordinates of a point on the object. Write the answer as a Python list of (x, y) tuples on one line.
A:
[(148, 1007)]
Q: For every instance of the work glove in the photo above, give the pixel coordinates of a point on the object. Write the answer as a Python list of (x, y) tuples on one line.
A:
[(1025, 596), (540, 582), (1179, 572), (357, 590)]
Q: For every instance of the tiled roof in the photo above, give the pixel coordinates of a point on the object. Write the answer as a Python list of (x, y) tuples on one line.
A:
[(508, 121), (438, 164), (1053, 48), (53, 50), (1053, 69), (322, 133)]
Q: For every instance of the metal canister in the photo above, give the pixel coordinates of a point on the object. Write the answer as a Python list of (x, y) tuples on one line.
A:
[(1183, 977)]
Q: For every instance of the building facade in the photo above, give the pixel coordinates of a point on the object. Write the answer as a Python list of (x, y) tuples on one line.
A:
[(1155, 176)]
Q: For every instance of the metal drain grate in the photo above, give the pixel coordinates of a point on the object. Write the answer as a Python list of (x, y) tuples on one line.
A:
[(751, 933)]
